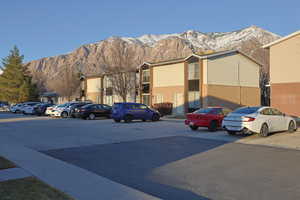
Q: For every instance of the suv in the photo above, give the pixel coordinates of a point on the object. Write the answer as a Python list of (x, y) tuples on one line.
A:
[(132, 111)]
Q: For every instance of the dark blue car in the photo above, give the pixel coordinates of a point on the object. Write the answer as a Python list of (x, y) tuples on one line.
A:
[(132, 111)]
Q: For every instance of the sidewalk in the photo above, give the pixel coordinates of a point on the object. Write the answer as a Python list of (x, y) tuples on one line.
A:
[(74, 181)]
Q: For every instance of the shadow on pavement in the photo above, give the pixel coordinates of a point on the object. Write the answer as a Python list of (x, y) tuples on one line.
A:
[(131, 163)]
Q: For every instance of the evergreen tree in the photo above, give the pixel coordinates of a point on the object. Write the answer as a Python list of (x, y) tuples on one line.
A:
[(15, 81)]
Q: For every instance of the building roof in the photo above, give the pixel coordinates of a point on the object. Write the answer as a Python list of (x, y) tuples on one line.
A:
[(171, 61), (282, 39)]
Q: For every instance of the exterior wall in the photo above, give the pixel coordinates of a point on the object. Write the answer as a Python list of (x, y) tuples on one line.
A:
[(284, 75), (94, 90), (233, 70), (168, 75), (286, 97), (172, 94), (231, 96), (285, 61)]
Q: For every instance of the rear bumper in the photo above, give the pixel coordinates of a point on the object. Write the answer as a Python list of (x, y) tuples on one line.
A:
[(245, 127), (200, 123)]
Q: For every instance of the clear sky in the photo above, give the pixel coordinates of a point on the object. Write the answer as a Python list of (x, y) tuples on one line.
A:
[(47, 28)]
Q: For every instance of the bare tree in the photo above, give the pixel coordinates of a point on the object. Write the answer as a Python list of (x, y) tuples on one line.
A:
[(121, 69), (68, 83), (253, 48)]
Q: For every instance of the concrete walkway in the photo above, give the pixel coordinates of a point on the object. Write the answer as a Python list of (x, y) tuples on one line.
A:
[(13, 173), (76, 182)]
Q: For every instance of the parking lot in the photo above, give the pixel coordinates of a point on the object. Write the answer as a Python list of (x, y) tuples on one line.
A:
[(165, 159)]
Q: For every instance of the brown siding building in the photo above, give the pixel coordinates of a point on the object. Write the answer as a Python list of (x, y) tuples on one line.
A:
[(227, 78), (284, 73)]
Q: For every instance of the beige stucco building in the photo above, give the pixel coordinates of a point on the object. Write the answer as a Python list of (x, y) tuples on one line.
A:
[(99, 89), (227, 78), (284, 73)]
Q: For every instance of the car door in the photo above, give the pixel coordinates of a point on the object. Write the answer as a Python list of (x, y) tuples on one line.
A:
[(281, 120), (99, 111), (266, 116)]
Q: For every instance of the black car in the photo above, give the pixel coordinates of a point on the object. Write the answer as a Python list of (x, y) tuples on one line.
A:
[(41, 108), (91, 111), (76, 106)]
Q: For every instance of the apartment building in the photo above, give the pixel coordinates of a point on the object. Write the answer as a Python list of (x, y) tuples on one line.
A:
[(227, 78), (284, 73)]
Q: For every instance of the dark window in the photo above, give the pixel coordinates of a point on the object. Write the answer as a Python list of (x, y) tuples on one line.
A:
[(193, 85), (146, 88), (109, 91)]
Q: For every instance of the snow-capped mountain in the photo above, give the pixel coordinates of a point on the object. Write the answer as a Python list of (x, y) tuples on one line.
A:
[(214, 40), (91, 58)]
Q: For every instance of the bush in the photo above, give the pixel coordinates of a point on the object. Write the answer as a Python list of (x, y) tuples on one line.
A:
[(164, 108)]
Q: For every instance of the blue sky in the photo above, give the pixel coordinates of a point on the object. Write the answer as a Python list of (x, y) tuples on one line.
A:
[(47, 28)]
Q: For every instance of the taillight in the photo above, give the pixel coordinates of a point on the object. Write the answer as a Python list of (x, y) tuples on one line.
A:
[(248, 119)]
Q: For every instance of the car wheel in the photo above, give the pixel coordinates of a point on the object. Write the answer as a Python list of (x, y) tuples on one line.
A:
[(127, 118), (155, 117), (292, 127), (194, 128), (231, 132), (92, 116), (64, 114), (143, 120), (264, 131), (117, 120), (213, 126)]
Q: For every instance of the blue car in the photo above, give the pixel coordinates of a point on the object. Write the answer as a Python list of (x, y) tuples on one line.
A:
[(133, 111)]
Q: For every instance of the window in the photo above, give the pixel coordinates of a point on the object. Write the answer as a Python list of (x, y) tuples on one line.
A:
[(146, 76), (276, 112), (143, 107), (146, 88), (246, 110), (194, 85), (266, 111), (193, 71), (109, 91)]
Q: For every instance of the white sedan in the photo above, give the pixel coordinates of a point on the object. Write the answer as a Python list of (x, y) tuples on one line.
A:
[(261, 120)]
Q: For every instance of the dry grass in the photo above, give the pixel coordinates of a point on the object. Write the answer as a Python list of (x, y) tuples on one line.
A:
[(29, 189), (5, 164)]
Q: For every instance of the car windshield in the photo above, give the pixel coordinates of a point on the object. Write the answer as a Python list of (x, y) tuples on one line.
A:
[(87, 106), (204, 111), (246, 110), (62, 105)]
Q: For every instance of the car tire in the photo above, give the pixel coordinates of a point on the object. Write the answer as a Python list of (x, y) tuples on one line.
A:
[(143, 120), (231, 132), (64, 114), (128, 118), (155, 117), (117, 120), (92, 116), (292, 127), (194, 128), (213, 126), (264, 130)]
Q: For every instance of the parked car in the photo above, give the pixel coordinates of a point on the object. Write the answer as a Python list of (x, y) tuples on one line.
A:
[(211, 118), (261, 120), (27, 107), (40, 109), (16, 108), (132, 111), (4, 106), (91, 111), (50, 110), (76, 106), (62, 110)]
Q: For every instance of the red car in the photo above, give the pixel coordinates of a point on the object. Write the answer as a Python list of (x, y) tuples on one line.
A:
[(207, 117)]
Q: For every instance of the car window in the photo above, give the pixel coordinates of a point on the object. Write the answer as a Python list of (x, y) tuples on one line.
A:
[(204, 111), (266, 111), (246, 110), (143, 107), (226, 111), (276, 112), (106, 107), (216, 111)]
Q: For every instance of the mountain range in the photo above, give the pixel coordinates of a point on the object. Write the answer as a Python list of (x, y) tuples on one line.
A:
[(90, 58)]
